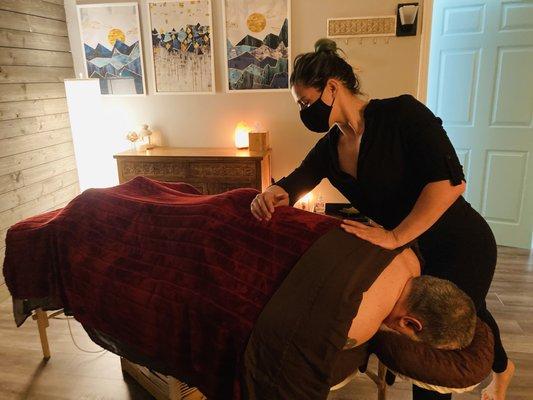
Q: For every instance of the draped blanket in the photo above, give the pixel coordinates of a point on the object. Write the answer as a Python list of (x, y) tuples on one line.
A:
[(160, 273)]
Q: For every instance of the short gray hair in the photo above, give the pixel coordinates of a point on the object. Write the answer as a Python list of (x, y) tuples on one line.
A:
[(448, 314)]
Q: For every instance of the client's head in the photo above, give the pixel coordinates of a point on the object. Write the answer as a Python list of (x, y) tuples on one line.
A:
[(434, 311)]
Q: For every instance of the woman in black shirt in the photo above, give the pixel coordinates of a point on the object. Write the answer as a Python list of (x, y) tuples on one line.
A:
[(392, 159)]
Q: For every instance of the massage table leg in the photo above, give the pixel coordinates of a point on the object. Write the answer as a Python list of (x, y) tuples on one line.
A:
[(379, 380), (382, 386), (174, 388), (42, 323)]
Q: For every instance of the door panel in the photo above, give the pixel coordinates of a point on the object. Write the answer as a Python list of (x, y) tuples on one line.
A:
[(505, 172), (480, 83), (463, 19), (516, 16), (512, 103), (457, 84)]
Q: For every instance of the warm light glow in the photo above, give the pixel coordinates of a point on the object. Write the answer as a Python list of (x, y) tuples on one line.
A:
[(308, 197), (92, 134), (305, 202), (241, 135)]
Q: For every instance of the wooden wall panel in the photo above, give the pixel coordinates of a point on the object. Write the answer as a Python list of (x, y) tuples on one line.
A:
[(30, 40), (31, 23), (23, 144), (37, 165), (12, 164), (24, 74), (29, 176), (33, 108), (16, 198), (36, 206), (31, 91), (38, 58), (27, 126), (40, 8)]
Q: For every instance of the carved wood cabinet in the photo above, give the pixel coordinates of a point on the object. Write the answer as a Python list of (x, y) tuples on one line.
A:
[(210, 170)]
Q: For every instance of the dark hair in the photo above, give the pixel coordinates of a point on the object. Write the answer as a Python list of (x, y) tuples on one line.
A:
[(315, 68), (447, 313)]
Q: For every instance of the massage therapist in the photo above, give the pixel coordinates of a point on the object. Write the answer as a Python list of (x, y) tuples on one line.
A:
[(392, 159)]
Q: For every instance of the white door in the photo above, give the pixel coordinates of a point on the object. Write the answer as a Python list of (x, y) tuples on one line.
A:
[(480, 82)]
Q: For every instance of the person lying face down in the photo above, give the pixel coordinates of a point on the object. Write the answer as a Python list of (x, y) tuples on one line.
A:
[(425, 308)]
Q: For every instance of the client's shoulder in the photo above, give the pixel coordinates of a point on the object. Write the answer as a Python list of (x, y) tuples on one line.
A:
[(403, 267), (408, 260)]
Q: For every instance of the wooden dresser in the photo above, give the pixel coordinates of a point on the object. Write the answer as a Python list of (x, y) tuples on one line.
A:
[(210, 170)]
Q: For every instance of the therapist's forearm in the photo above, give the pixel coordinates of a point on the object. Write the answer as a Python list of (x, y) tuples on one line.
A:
[(434, 200)]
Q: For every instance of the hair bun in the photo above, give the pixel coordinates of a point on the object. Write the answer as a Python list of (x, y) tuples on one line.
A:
[(325, 46)]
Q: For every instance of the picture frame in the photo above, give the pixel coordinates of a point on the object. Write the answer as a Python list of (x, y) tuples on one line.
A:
[(120, 69), (257, 21), (174, 46)]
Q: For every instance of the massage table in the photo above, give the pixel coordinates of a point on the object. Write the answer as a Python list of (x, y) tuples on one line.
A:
[(394, 350), (193, 287)]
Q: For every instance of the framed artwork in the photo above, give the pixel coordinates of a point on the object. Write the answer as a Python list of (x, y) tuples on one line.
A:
[(257, 37), (112, 47), (182, 46)]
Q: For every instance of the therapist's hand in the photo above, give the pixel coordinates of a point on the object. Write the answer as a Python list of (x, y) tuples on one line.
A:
[(373, 233), (262, 206)]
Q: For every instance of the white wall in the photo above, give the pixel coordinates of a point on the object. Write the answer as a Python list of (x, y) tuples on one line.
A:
[(385, 69)]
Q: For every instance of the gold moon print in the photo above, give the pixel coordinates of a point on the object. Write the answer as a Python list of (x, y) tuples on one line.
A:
[(115, 34), (256, 22)]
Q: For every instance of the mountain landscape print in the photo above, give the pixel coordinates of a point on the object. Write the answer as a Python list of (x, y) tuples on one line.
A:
[(112, 47), (257, 44), (181, 46)]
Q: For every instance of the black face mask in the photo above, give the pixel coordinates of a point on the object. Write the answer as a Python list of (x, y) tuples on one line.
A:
[(316, 116)]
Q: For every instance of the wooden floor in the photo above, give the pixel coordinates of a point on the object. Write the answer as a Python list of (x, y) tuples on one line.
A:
[(74, 375)]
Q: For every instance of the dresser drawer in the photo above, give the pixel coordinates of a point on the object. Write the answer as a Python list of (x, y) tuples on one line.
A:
[(171, 171), (223, 170), (209, 170)]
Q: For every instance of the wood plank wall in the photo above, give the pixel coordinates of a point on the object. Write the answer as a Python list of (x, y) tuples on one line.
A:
[(37, 166)]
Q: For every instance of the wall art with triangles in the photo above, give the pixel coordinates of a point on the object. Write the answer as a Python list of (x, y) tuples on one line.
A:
[(182, 46), (112, 47), (257, 44)]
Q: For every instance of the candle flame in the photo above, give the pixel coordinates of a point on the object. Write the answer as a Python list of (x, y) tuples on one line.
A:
[(308, 197)]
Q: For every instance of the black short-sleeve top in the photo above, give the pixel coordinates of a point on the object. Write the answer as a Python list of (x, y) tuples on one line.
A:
[(403, 148)]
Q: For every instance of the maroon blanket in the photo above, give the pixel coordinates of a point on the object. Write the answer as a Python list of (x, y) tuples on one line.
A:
[(169, 274)]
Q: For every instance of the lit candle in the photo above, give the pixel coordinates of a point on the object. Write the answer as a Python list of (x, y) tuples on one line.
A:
[(241, 135), (305, 201)]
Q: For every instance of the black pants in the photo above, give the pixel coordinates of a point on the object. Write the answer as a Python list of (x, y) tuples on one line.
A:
[(465, 253)]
